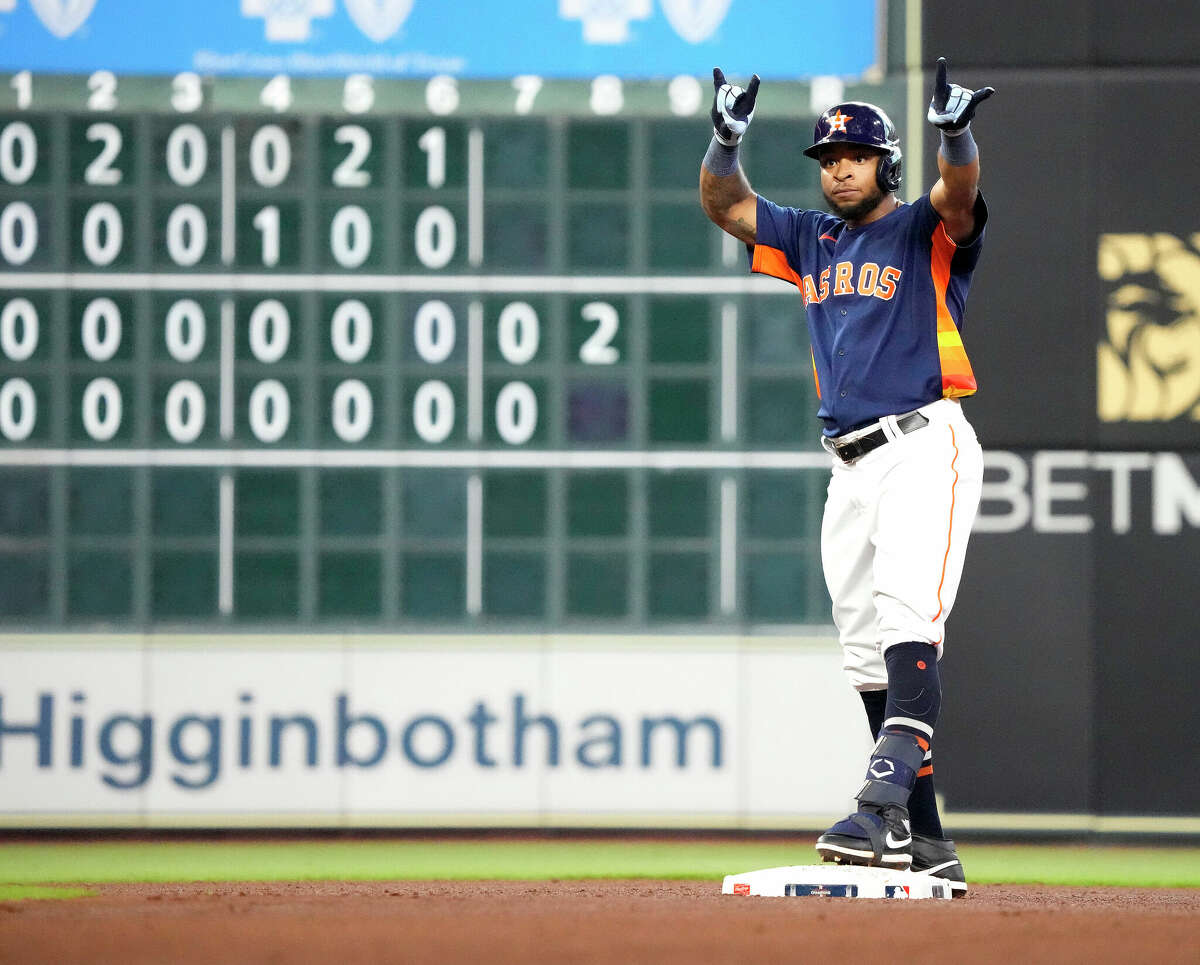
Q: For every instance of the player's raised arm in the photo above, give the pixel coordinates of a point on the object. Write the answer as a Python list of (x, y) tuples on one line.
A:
[(953, 197), (725, 194)]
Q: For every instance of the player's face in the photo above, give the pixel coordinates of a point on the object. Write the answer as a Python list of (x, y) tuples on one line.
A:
[(848, 180)]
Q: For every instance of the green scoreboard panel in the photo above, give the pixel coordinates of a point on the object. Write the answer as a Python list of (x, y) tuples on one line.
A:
[(400, 355)]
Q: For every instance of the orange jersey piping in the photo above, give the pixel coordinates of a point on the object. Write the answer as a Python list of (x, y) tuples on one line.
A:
[(950, 528)]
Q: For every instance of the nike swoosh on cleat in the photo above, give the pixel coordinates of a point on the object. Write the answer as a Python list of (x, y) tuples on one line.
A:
[(892, 842), (936, 868)]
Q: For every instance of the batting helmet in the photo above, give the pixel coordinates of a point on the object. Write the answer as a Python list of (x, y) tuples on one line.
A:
[(856, 122)]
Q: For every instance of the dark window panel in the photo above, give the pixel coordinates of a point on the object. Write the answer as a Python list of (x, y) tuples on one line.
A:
[(597, 504), (99, 584), (514, 585), (681, 236), (777, 588), (24, 585), (514, 504), (680, 330), (351, 502), (598, 235), (678, 504), (267, 502), (348, 585), (266, 585), (674, 153), (434, 586), (101, 502), (183, 502), (517, 235), (183, 585), (678, 586), (24, 502), (598, 154), (679, 411), (782, 411), (783, 505), (597, 584), (435, 503), (775, 331), (515, 154)]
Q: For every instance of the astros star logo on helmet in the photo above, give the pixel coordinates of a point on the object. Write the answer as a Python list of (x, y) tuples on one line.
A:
[(838, 121)]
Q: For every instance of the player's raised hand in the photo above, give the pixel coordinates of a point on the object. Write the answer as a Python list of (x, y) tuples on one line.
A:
[(732, 108), (952, 106)]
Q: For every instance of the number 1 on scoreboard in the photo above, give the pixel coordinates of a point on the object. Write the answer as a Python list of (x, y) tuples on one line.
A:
[(22, 83)]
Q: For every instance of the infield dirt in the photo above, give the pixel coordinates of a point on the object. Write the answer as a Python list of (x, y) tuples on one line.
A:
[(594, 921)]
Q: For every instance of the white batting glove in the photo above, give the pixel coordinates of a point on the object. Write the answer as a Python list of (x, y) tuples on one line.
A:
[(952, 107), (732, 109)]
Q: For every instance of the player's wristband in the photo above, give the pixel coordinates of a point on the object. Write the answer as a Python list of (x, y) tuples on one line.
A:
[(721, 159), (959, 148)]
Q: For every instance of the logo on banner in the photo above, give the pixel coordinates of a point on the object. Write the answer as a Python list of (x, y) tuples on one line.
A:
[(604, 21), (61, 17), (1148, 358), (287, 21), (379, 19), (695, 20)]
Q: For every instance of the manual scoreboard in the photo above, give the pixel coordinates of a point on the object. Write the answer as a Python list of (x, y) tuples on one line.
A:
[(396, 355)]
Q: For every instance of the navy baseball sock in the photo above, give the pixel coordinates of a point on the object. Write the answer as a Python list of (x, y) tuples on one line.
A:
[(874, 702), (914, 694), (922, 804), (914, 700)]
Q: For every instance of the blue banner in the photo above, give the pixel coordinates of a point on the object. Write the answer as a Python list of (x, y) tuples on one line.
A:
[(466, 38)]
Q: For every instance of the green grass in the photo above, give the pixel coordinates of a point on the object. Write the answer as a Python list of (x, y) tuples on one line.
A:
[(1129, 867), (58, 862), (23, 892)]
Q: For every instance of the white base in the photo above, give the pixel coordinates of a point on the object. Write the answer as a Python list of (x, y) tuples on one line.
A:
[(835, 881)]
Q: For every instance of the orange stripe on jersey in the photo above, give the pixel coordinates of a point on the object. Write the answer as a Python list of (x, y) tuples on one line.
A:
[(816, 381), (773, 262), (925, 771), (958, 379)]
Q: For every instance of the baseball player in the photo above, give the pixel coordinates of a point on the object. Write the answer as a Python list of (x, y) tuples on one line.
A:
[(884, 285)]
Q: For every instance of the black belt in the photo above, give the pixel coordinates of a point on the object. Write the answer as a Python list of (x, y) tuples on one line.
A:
[(852, 449)]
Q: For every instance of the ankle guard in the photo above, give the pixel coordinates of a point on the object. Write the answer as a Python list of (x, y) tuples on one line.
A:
[(892, 770)]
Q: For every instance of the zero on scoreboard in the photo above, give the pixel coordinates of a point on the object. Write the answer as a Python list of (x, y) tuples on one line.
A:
[(394, 354)]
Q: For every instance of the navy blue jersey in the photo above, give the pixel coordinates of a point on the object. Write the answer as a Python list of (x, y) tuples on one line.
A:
[(884, 302)]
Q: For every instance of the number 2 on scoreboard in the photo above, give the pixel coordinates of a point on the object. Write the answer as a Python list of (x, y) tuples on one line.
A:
[(598, 348)]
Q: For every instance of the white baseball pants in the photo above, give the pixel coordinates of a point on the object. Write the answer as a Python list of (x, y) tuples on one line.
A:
[(894, 538)]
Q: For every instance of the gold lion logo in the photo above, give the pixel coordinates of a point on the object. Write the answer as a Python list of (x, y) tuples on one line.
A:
[(1149, 362)]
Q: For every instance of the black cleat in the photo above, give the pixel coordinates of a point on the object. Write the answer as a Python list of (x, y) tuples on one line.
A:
[(875, 835), (937, 857)]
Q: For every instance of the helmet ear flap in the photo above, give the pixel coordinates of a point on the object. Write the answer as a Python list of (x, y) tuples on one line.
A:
[(887, 174)]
